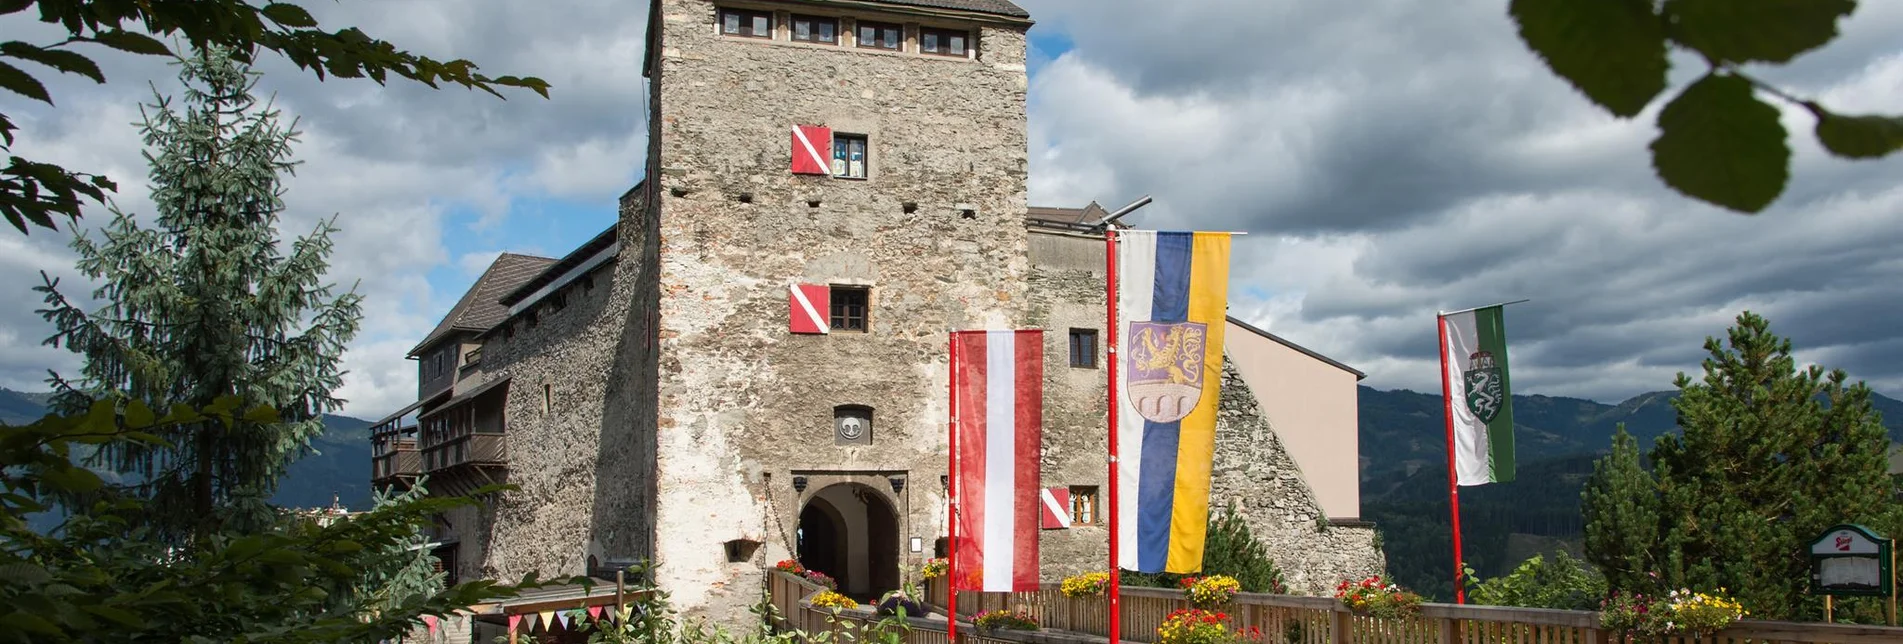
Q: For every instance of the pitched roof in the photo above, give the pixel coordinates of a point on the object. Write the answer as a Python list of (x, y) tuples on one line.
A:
[(998, 7), (481, 307), (552, 270)]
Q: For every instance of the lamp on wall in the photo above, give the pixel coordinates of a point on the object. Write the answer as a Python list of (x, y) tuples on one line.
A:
[(799, 484), (898, 484)]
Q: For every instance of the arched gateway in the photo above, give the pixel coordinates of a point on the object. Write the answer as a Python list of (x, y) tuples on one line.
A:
[(851, 532)]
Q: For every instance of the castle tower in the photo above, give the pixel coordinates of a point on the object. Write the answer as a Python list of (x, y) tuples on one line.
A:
[(834, 185)]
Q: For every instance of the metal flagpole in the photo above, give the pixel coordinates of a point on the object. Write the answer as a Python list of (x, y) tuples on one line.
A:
[(1453, 479), (1447, 313), (951, 488), (1110, 355)]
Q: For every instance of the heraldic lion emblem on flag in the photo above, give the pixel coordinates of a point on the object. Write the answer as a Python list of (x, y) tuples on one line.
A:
[(1485, 390), (1166, 368)]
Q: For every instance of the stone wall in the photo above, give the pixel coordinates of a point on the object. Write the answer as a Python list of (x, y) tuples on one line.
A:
[(1253, 470), (742, 403), (576, 448)]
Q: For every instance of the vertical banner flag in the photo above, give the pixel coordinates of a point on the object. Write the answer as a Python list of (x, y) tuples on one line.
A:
[(1172, 306), (999, 389), (1479, 394)]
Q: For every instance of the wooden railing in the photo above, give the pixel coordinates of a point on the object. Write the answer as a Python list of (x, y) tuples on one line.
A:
[(477, 449), (1289, 619), (403, 461)]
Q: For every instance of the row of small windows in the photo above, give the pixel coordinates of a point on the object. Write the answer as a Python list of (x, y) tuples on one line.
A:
[(823, 30)]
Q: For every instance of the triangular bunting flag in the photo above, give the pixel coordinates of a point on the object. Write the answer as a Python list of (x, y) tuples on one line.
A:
[(594, 613), (548, 619), (431, 621), (514, 620), (562, 618)]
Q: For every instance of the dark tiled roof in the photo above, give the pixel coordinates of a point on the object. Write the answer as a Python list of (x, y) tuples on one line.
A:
[(998, 7), (554, 270), (480, 307)]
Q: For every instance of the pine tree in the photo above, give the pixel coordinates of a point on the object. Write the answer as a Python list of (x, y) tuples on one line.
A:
[(1620, 504), (204, 304), (1233, 550)]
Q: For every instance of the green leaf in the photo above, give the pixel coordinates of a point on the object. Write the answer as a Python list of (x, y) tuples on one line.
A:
[(73, 479), (1740, 31), (20, 572), (1859, 137), (122, 616), (29, 622), (262, 414), (131, 42), (139, 415), (1613, 51), (16, 80), (65, 61), (1719, 143), (289, 15)]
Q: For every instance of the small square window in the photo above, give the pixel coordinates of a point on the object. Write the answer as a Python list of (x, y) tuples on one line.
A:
[(849, 155), (943, 42), (750, 24), (1083, 348), (1083, 505), (881, 35), (849, 308), (815, 29)]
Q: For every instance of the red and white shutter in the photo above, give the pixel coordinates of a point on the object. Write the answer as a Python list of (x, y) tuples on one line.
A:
[(807, 308), (811, 145), (1056, 512)]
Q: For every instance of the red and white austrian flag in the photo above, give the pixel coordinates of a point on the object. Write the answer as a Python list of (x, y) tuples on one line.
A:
[(807, 308), (998, 400)]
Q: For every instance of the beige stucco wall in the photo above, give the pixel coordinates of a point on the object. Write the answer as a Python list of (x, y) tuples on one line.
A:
[(1312, 406)]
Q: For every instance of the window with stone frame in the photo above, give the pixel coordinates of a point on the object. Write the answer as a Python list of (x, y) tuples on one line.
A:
[(850, 152), (850, 308), (943, 42), (1083, 505), (746, 23), (881, 35), (1083, 348), (815, 29)]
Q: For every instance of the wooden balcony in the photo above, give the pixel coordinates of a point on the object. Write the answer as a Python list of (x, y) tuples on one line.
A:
[(397, 468), (460, 464)]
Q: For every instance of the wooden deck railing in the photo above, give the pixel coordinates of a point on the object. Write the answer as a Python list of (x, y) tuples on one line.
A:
[(1289, 619)]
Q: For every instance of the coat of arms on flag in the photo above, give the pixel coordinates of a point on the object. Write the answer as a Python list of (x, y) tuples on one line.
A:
[(1166, 369), (1484, 387)]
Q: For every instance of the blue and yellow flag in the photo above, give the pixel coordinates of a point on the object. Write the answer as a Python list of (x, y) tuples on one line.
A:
[(1172, 301)]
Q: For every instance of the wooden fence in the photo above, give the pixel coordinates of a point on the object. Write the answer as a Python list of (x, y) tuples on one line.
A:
[(1289, 619)]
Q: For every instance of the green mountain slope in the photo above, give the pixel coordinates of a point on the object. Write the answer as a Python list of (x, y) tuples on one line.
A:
[(1404, 477), (340, 468)]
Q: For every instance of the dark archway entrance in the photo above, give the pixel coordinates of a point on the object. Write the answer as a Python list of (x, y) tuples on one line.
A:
[(851, 533)]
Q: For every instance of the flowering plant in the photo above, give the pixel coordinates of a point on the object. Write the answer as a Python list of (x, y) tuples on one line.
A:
[(1199, 626), (935, 568), (1016, 620), (1211, 591), (821, 578), (1374, 598), (833, 600), (789, 566), (1682, 612), (1090, 584)]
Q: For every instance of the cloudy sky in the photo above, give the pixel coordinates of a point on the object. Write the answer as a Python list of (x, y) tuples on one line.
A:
[(1389, 158)]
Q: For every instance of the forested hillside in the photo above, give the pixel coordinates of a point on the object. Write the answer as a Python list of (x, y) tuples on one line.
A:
[(1404, 478)]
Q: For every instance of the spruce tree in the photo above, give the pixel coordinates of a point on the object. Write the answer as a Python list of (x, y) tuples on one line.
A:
[(203, 303), (1620, 504)]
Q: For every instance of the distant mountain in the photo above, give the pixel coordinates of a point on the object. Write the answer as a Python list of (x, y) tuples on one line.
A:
[(339, 469), (1404, 478)]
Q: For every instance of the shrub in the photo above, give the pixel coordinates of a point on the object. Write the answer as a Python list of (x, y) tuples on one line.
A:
[(1015, 620), (833, 600), (789, 566), (1375, 598), (1198, 626), (1563, 583), (892, 603), (935, 568), (1090, 584), (1211, 591), (1682, 612)]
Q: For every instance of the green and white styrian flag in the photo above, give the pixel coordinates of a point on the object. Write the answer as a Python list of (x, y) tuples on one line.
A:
[(1478, 393)]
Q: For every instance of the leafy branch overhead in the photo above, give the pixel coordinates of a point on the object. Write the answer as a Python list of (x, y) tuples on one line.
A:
[(38, 193), (1718, 141)]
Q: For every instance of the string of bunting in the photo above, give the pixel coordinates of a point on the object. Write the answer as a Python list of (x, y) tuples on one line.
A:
[(546, 621)]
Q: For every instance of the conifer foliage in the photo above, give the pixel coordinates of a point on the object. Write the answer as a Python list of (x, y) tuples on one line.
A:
[(203, 303), (1770, 456)]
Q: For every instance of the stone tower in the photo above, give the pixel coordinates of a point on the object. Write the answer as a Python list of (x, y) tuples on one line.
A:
[(836, 184)]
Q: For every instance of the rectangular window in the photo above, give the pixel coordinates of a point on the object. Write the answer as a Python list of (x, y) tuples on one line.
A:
[(1083, 505), (881, 35), (849, 155), (1083, 348), (750, 24), (849, 305), (815, 29), (943, 42)]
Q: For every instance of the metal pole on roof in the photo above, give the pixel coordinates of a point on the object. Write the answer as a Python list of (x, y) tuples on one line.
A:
[(1112, 217)]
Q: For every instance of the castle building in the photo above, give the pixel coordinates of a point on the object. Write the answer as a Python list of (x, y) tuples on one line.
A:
[(750, 365)]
